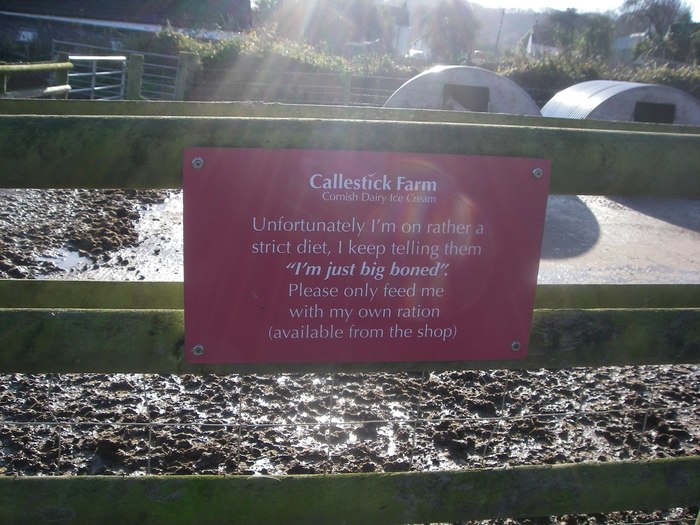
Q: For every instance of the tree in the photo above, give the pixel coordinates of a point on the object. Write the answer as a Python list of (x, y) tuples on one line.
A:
[(565, 28), (657, 14), (264, 11), (578, 36), (329, 24), (367, 21), (595, 39), (450, 29), (683, 41)]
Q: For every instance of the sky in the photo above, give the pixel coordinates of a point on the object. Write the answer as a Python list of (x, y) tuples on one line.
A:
[(584, 6)]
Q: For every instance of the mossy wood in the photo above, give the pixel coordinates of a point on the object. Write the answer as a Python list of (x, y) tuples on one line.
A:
[(151, 341), (59, 70), (36, 67), (277, 110), (50, 91), (410, 497), (144, 295), (139, 152)]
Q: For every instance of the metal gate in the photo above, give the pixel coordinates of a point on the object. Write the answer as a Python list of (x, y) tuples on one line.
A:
[(159, 71)]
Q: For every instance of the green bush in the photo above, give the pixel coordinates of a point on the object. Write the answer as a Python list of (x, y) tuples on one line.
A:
[(266, 50), (542, 78), (168, 42), (686, 78), (552, 74)]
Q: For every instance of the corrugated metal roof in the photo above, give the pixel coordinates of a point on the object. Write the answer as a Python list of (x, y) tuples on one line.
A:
[(613, 100), (181, 13), (580, 100), (431, 89)]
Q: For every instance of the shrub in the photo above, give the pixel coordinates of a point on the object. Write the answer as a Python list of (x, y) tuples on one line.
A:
[(168, 42), (550, 73), (543, 78), (265, 49), (686, 78)]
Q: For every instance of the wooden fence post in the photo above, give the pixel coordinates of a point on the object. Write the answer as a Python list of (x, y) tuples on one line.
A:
[(189, 66), (134, 77), (347, 81), (60, 77)]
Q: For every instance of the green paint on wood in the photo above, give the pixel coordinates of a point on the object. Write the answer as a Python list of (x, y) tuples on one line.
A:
[(411, 497), (128, 295), (125, 295), (102, 152), (151, 341), (78, 340), (617, 296), (277, 110)]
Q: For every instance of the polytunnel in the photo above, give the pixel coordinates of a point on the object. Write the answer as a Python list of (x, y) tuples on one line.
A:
[(624, 101), (463, 88)]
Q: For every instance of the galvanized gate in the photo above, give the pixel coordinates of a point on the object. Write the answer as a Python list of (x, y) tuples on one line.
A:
[(160, 71)]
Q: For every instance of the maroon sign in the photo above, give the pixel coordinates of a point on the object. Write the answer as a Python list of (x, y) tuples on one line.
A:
[(296, 256)]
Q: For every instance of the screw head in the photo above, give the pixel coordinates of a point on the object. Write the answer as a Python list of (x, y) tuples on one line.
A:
[(537, 173), (515, 346), (198, 350), (198, 163)]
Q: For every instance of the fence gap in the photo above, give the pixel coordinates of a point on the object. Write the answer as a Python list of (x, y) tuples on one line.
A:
[(331, 411), (497, 422), (239, 438), (418, 417)]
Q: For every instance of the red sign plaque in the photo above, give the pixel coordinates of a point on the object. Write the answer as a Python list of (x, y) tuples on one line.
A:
[(302, 256)]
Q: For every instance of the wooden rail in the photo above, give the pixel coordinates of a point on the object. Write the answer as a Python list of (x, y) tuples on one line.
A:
[(584, 161), (59, 69), (48, 326), (407, 497)]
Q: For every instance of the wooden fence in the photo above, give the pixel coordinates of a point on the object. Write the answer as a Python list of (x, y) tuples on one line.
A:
[(59, 87), (126, 82), (269, 85), (76, 327)]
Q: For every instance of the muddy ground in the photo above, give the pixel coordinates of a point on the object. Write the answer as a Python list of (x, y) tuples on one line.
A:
[(303, 423)]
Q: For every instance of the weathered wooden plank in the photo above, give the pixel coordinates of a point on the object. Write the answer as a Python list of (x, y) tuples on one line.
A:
[(91, 340), (410, 497), (125, 295), (277, 110), (617, 296), (56, 151), (144, 295), (50, 91), (151, 341), (35, 67)]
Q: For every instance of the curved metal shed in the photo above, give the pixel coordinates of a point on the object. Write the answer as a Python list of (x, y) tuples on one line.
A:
[(624, 101), (463, 88)]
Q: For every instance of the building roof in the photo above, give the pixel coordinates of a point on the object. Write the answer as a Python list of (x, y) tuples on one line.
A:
[(228, 14)]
